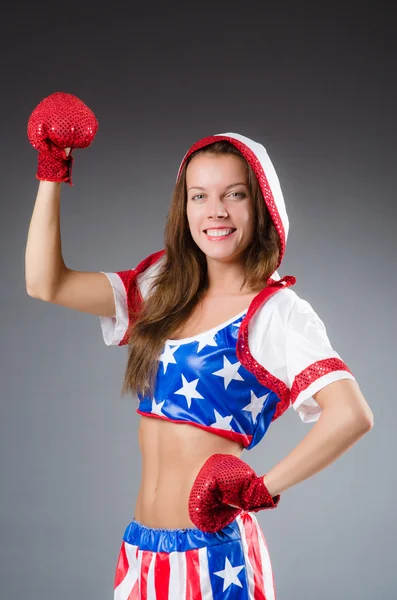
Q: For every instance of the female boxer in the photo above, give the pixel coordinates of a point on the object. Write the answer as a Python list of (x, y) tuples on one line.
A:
[(219, 347)]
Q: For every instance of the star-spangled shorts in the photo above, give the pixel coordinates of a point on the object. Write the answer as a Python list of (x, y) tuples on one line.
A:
[(189, 564)]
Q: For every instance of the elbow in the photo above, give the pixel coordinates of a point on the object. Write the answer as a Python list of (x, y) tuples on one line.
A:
[(34, 294), (348, 405), (368, 422), (364, 417), (31, 293), (354, 422), (362, 422)]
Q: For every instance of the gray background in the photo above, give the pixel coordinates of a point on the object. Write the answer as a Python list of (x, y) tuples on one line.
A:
[(317, 87)]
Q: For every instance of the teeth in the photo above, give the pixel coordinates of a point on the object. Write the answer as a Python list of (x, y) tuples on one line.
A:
[(218, 232)]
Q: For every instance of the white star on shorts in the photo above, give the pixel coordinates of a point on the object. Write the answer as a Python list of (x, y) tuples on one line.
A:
[(229, 574)]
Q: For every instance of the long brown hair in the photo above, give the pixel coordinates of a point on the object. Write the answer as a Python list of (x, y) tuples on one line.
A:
[(182, 280)]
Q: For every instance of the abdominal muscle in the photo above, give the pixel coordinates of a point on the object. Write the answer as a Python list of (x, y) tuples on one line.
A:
[(172, 455)]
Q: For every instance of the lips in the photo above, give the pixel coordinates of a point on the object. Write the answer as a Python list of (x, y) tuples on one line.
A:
[(219, 238), (217, 228)]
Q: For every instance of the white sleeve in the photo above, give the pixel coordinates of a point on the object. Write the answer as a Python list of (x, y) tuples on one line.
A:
[(115, 328), (130, 288), (290, 340)]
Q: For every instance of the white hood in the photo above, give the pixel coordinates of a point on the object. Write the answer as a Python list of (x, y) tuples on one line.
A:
[(262, 166)]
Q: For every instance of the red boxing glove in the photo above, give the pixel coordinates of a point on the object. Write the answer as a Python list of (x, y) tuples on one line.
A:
[(222, 481), (60, 121)]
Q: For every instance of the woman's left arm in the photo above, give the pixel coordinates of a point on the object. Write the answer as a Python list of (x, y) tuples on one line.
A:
[(345, 418)]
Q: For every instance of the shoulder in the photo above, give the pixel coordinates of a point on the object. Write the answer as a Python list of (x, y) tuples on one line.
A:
[(289, 340), (280, 309), (130, 288), (141, 277), (285, 318)]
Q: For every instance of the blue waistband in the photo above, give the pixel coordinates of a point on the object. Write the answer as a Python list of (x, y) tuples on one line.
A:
[(178, 540)]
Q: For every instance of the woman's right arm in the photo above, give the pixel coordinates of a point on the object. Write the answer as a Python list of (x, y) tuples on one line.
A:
[(47, 276)]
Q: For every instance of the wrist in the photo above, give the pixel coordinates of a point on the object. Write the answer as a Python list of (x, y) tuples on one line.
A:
[(54, 167)]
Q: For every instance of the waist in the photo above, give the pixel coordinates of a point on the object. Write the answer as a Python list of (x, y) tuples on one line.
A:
[(172, 456), (166, 507)]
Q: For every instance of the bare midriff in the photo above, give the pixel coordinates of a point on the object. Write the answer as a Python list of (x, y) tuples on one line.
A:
[(173, 453)]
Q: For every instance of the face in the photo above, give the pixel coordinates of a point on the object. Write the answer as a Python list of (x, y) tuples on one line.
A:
[(218, 196)]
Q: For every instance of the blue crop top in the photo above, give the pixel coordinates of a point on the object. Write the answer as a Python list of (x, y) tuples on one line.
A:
[(200, 381)]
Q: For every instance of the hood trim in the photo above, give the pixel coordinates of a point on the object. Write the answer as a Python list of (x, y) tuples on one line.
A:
[(259, 160)]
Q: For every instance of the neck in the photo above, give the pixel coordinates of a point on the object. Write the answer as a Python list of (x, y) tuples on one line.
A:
[(225, 279)]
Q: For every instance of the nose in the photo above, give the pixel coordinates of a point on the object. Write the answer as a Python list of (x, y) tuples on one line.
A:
[(217, 208)]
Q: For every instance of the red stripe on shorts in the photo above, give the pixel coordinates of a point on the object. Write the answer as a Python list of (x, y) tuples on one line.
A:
[(143, 576), (254, 557), (122, 566), (267, 548), (162, 575), (193, 586)]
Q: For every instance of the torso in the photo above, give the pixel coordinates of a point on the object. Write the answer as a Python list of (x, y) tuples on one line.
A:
[(173, 453)]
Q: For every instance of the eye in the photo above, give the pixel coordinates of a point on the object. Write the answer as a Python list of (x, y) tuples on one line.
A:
[(241, 194)]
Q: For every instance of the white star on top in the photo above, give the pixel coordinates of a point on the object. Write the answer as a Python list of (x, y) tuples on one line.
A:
[(256, 405), (189, 390), (222, 422), (168, 356), (229, 574), (236, 330), (229, 371), (156, 408), (206, 340)]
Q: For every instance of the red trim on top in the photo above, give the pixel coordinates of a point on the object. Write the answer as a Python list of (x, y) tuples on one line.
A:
[(244, 354), (260, 175), (242, 438), (134, 297), (314, 372)]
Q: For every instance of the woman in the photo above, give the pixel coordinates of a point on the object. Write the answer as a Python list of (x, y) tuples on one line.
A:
[(219, 347)]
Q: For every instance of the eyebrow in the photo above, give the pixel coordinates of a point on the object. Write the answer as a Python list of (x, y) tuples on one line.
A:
[(197, 187)]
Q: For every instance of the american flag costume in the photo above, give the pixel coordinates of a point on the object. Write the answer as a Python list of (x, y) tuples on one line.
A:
[(233, 380), (189, 564)]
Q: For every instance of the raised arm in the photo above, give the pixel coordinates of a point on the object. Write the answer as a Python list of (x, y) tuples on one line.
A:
[(59, 124), (47, 276)]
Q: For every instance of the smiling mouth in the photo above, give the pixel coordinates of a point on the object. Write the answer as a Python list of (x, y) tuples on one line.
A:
[(218, 236)]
